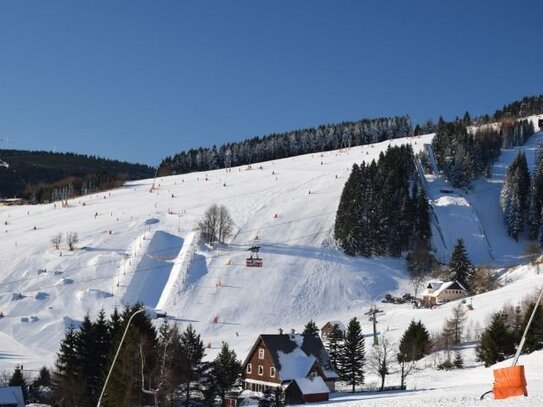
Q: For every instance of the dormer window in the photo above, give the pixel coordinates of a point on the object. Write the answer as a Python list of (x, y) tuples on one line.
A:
[(261, 353), (249, 368)]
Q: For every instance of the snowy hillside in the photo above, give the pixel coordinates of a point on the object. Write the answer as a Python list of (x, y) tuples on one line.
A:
[(475, 215), (140, 245), (137, 245)]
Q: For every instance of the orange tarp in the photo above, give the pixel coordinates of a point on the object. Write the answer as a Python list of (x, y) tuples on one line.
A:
[(509, 382)]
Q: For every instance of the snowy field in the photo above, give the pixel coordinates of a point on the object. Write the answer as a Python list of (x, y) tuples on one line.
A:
[(140, 245)]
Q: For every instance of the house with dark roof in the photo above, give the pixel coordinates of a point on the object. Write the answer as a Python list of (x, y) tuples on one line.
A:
[(439, 292), (298, 363)]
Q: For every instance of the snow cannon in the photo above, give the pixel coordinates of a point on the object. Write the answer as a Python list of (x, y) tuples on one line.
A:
[(509, 382)]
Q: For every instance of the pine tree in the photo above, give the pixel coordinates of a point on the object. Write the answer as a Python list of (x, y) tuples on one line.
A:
[(534, 336), (496, 341), (415, 342), (345, 230), (353, 355), (311, 329), (40, 389), (460, 267), (17, 379), (227, 371), (334, 345), (422, 217), (138, 352), (192, 353), (67, 381), (458, 361)]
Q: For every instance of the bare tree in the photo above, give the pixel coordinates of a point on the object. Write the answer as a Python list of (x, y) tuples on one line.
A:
[(57, 240), (419, 264), (225, 224), (407, 366), (532, 251), (72, 239), (208, 224), (485, 279), (216, 224), (381, 359), (417, 280), (453, 329)]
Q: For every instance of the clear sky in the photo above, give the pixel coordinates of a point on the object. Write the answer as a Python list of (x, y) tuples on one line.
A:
[(141, 80)]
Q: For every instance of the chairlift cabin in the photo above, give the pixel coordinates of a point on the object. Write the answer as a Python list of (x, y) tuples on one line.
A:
[(253, 260)]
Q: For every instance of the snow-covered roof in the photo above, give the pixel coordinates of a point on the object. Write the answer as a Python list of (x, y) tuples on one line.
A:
[(12, 395), (313, 385), (295, 364), (294, 355), (439, 287), (434, 285)]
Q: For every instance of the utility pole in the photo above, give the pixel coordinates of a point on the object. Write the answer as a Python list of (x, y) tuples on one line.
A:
[(373, 317)]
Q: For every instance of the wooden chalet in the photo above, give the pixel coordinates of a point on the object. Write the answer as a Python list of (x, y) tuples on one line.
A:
[(330, 327), (439, 292), (298, 363)]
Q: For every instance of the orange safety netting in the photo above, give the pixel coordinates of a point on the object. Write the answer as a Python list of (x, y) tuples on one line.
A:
[(509, 382)]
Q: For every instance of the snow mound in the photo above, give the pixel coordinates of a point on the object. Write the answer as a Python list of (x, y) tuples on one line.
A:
[(451, 200)]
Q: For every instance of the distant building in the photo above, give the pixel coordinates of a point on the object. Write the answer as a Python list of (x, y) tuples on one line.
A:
[(298, 363), (439, 292), (11, 201), (330, 327), (11, 396)]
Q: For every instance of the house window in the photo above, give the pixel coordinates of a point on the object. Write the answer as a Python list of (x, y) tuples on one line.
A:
[(249, 368), (260, 370), (261, 353), (272, 372)]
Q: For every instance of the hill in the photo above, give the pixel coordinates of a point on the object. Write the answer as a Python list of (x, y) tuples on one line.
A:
[(140, 245), (36, 175)]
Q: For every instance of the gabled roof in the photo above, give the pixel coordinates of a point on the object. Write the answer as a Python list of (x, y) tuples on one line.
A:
[(440, 286), (341, 326), (434, 284), (12, 395), (294, 355), (313, 385)]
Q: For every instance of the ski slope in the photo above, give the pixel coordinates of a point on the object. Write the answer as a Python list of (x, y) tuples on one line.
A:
[(475, 215), (141, 245), (138, 245)]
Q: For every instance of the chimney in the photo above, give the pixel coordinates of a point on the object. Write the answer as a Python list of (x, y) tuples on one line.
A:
[(292, 331), (280, 331)]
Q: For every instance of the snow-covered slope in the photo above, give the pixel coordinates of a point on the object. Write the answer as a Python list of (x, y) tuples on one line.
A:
[(475, 215), (140, 245)]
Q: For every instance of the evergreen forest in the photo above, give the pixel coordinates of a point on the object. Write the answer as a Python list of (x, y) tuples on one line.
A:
[(382, 210), (289, 144), (41, 176)]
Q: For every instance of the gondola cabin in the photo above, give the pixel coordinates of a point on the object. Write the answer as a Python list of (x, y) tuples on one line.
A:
[(253, 260)]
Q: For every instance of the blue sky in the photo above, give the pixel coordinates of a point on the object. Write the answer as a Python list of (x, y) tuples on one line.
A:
[(141, 80)]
